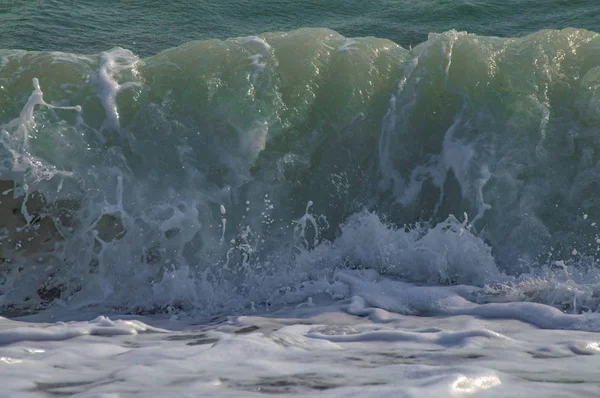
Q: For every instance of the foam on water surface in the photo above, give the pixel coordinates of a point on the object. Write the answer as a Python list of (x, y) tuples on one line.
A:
[(353, 213), (320, 349)]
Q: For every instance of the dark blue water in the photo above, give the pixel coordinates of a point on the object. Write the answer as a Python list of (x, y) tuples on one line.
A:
[(149, 26)]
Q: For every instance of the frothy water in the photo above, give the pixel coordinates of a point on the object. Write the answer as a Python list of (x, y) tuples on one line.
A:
[(346, 348), (302, 213), (248, 173)]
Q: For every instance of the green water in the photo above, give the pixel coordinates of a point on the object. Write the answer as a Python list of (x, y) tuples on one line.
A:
[(148, 26)]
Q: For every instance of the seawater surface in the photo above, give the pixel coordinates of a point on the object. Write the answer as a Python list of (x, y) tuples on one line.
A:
[(149, 26), (203, 199)]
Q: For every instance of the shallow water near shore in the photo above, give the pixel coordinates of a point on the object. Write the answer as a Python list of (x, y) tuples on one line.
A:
[(325, 348)]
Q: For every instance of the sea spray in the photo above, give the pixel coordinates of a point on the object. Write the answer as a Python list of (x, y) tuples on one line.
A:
[(214, 174)]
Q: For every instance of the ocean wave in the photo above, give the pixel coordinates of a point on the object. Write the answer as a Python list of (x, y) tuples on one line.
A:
[(182, 180)]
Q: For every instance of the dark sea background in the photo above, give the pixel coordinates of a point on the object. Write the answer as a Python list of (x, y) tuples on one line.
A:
[(147, 27)]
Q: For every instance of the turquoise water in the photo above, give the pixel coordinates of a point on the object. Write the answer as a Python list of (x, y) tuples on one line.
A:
[(149, 26)]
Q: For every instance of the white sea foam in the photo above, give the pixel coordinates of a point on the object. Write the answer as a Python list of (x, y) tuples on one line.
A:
[(112, 64), (347, 46), (258, 60), (306, 351), (27, 121)]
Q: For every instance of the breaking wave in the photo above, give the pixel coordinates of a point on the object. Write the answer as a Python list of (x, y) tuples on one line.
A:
[(228, 175)]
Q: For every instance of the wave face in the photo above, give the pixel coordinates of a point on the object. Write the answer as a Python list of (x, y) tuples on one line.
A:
[(221, 175)]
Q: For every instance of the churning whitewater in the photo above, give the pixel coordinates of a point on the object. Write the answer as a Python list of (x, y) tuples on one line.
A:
[(250, 173)]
